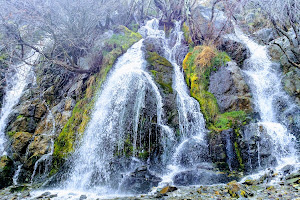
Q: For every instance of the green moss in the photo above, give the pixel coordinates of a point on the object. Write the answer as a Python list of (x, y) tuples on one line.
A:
[(20, 116), (154, 72), (155, 59), (125, 39), (134, 27), (74, 128), (3, 57), (226, 120), (21, 188), (186, 33), (11, 133), (239, 156), (220, 59), (143, 155)]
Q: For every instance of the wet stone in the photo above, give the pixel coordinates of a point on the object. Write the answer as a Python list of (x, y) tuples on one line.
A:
[(82, 197)]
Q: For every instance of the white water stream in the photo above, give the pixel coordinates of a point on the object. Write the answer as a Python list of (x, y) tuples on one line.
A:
[(122, 97), (264, 80), (191, 121), (15, 86)]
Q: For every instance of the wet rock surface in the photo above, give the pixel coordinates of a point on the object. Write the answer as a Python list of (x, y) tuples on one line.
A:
[(139, 181)]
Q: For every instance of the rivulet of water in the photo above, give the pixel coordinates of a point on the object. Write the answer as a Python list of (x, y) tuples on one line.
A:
[(16, 82)]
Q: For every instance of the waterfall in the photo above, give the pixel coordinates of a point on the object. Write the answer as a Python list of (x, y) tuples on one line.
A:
[(264, 80), (191, 121), (116, 113), (16, 82)]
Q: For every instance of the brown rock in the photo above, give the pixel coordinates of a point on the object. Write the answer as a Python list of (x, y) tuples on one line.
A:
[(40, 110), (20, 141), (168, 189)]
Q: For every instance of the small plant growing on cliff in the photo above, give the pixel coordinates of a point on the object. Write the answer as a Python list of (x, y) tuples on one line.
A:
[(203, 60)]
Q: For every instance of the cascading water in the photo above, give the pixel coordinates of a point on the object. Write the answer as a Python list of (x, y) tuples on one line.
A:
[(265, 83), (117, 113), (44, 163), (16, 82), (191, 121)]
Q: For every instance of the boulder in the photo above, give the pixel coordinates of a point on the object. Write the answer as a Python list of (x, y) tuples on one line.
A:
[(37, 148), (139, 181), (154, 45), (69, 104), (291, 83), (230, 89), (237, 190), (23, 124), (193, 152), (20, 141), (256, 147), (167, 189), (40, 110), (235, 49)]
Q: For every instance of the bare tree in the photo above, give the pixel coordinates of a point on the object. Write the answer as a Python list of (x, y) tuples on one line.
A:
[(72, 25), (285, 18), (213, 23)]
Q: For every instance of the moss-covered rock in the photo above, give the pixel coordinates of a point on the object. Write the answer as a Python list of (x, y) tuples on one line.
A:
[(6, 171), (162, 72), (224, 99)]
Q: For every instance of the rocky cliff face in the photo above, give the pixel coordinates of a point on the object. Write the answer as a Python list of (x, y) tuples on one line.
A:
[(53, 114)]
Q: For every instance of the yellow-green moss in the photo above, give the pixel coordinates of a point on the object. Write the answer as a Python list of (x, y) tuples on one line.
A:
[(239, 156), (155, 59), (74, 128), (20, 116), (197, 72), (186, 33), (11, 133)]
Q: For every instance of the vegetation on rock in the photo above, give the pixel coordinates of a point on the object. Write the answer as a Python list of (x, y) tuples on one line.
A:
[(198, 65)]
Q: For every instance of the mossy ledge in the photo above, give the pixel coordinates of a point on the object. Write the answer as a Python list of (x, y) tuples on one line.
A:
[(75, 126)]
